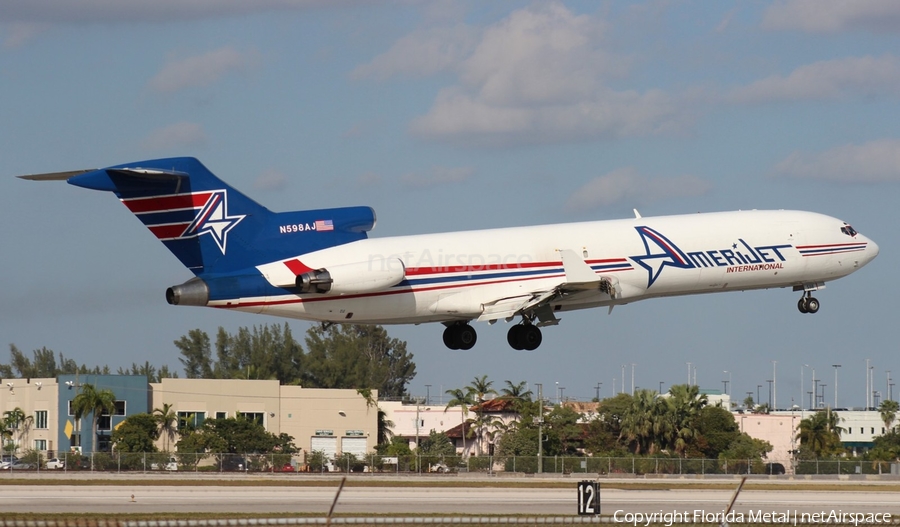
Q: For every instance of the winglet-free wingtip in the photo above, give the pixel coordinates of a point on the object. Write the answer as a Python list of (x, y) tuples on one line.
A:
[(637, 214), (55, 176)]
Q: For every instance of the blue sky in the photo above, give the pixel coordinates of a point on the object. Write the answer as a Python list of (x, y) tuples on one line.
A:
[(455, 115)]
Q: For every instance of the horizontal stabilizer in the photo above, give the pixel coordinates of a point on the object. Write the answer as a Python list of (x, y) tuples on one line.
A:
[(55, 176)]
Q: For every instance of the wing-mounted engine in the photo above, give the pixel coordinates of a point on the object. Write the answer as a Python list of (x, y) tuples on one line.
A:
[(354, 278)]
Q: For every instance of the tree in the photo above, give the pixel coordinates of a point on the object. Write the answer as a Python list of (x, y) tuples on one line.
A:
[(196, 354), (16, 419), (480, 387), (717, 428), (385, 425), (642, 421), (682, 408), (888, 410), (94, 402), (821, 434), (166, 423), (357, 356), (137, 433), (517, 394), (463, 399)]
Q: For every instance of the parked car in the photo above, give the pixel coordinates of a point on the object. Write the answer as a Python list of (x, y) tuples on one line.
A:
[(171, 465), (6, 460), (55, 464), (21, 465), (287, 467)]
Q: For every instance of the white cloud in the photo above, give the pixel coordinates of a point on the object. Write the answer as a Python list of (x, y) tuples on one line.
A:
[(421, 53), (104, 11), (873, 162), (201, 70), (271, 180), (829, 79), (833, 16), (541, 75), (178, 135), (439, 176), (628, 185)]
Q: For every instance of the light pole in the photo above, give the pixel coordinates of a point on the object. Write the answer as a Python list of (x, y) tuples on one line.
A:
[(660, 387), (758, 386), (562, 390), (774, 386), (427, 394), (867, 384), (557, 393), (689, 373), (835, 366), (632, 378), (623, 378), (729, 381), (770, 381)]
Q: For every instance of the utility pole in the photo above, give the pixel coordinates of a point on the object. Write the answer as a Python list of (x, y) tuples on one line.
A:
[(729, 381), (599, 384)]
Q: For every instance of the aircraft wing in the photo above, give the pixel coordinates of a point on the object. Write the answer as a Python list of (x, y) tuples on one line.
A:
[(580, 280)]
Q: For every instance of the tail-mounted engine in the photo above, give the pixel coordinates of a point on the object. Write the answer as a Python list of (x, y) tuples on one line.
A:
[(355, 278)]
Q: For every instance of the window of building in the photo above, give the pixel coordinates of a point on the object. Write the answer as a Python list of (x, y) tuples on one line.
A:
[(120, 408), (221, 415), (40, 445), (873, 429), (190, 420), (70, 411), (253, 416), (104, 423), (40, 419)]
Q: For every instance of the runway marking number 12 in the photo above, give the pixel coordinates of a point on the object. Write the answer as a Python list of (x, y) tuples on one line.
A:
[(588, 497)]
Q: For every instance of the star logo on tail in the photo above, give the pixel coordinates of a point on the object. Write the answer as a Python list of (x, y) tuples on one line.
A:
[(213, 219), (660, 253)]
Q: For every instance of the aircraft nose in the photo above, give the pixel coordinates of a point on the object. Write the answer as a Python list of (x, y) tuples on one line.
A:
[(871, 251)]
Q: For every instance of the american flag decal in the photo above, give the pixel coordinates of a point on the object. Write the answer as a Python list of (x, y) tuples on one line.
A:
[(324, 225)]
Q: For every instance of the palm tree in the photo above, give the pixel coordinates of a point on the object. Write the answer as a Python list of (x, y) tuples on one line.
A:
[(683, 406), (517, 394), (821, 433), (95, 402), (463, 399), (642, 421), (167, 422), (385, 434), (16, 419), (481, 387), (888, 410)]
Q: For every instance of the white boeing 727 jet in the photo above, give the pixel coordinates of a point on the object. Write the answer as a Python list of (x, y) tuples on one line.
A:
[(320, 265)]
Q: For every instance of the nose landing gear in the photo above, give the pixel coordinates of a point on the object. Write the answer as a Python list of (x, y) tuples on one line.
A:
[(808, 303)]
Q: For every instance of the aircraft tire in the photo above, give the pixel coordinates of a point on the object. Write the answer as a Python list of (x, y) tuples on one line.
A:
[(531, 337), (812, 305), (466, 336), (451, 337), (514, 337), (801, 305)]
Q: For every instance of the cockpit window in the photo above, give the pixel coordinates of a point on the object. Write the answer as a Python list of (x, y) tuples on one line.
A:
[(848, 230)]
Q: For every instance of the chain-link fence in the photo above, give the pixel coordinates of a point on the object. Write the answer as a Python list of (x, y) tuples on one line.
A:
[(319, 462)]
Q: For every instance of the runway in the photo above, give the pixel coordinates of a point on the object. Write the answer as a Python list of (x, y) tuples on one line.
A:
[(132, 497)]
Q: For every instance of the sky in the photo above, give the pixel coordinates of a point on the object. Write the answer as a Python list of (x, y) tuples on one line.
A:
[(453, 115)]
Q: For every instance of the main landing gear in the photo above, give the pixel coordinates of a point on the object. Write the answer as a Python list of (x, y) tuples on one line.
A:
[(524, 336), (460, 336), (808, 304)]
